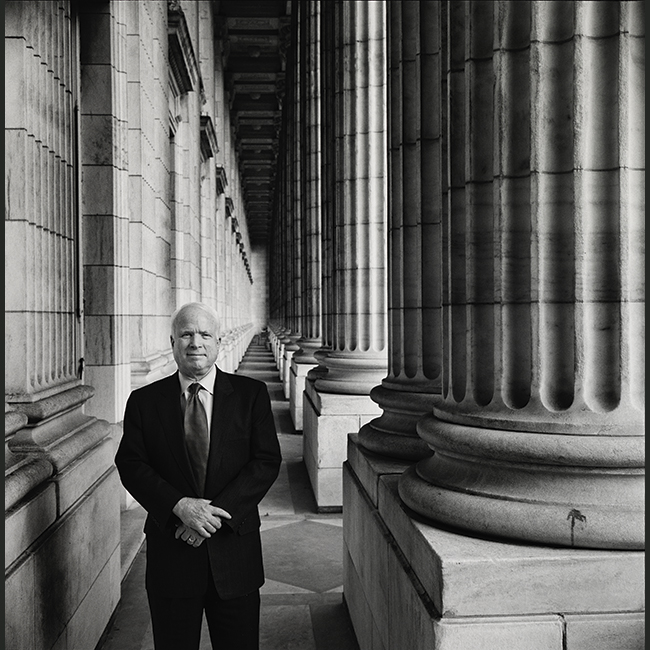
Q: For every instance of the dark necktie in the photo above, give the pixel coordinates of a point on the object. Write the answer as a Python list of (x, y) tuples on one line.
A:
[(196, 435)]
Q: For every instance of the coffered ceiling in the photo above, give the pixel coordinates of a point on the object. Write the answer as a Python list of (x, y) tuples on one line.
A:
[(255, 36)]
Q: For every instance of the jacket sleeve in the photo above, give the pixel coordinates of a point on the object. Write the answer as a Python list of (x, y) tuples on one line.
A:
[(242, 495), (134, 464)]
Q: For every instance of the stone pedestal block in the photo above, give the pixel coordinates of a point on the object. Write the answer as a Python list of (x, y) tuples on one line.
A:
[(62, 525), (27, 521), (286, 372), (296, 388), (327, 421), (413, 585)]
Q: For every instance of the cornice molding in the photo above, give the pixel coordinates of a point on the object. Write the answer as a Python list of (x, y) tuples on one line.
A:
[(222, 179), (182, 61), (209, 145), (230, 207)]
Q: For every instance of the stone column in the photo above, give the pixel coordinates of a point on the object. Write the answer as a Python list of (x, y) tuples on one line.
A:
[(414, 331), (290, 253), (295, 122), (338, 402), (328, 62), (538, 434), (311, 340), (277, 256)]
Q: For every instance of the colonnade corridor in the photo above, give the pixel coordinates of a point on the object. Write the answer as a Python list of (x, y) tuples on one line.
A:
[(302, 600)]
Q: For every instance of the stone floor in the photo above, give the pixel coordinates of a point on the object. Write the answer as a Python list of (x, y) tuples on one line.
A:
[(302, 600)]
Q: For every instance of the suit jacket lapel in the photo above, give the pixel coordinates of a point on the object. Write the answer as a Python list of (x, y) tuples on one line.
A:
[(221, 418), (171, 417)]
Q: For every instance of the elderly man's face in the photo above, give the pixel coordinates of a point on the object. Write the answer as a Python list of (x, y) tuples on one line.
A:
[(195, 342)]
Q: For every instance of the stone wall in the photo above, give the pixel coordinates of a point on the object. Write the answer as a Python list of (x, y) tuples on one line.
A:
[(123, 201)]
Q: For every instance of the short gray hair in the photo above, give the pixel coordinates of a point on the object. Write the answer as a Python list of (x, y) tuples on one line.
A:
[(196, 305)]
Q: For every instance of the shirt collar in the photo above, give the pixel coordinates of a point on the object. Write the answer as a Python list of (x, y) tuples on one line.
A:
[(207, 382)]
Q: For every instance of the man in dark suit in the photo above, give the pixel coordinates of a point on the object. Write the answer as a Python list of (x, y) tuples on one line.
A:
[(199, 452)]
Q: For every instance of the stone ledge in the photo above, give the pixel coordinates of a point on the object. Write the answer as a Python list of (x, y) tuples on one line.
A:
[(370, 467), (341, 403), (24, 477), (53, 405), (26, 522)]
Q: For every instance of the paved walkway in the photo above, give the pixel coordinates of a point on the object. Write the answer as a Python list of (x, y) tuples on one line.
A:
[(302, 600)]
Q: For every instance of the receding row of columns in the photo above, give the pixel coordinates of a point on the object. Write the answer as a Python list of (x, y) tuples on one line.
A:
[(332, 341), (483, 288), (476, 246)]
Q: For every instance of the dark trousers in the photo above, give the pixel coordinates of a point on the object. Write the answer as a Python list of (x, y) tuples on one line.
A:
[(233, 624)]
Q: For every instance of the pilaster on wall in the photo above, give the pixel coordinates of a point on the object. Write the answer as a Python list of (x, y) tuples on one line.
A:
[(43, 326), (110, 223), (59, 472), (104, 194), (150, 297), (185, 154)]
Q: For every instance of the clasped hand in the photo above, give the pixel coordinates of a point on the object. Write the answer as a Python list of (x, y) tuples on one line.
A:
[(200, 519)]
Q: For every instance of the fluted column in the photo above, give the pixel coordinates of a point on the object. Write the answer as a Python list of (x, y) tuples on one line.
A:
[(329, 37), (414, 360), (303, 359), (353, 356), (294, 231), (357, 360), (538, 434)]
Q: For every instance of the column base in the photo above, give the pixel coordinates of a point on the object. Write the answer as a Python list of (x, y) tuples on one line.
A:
[(565, 490), (394, 434), (412, 585), (328, 418)]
